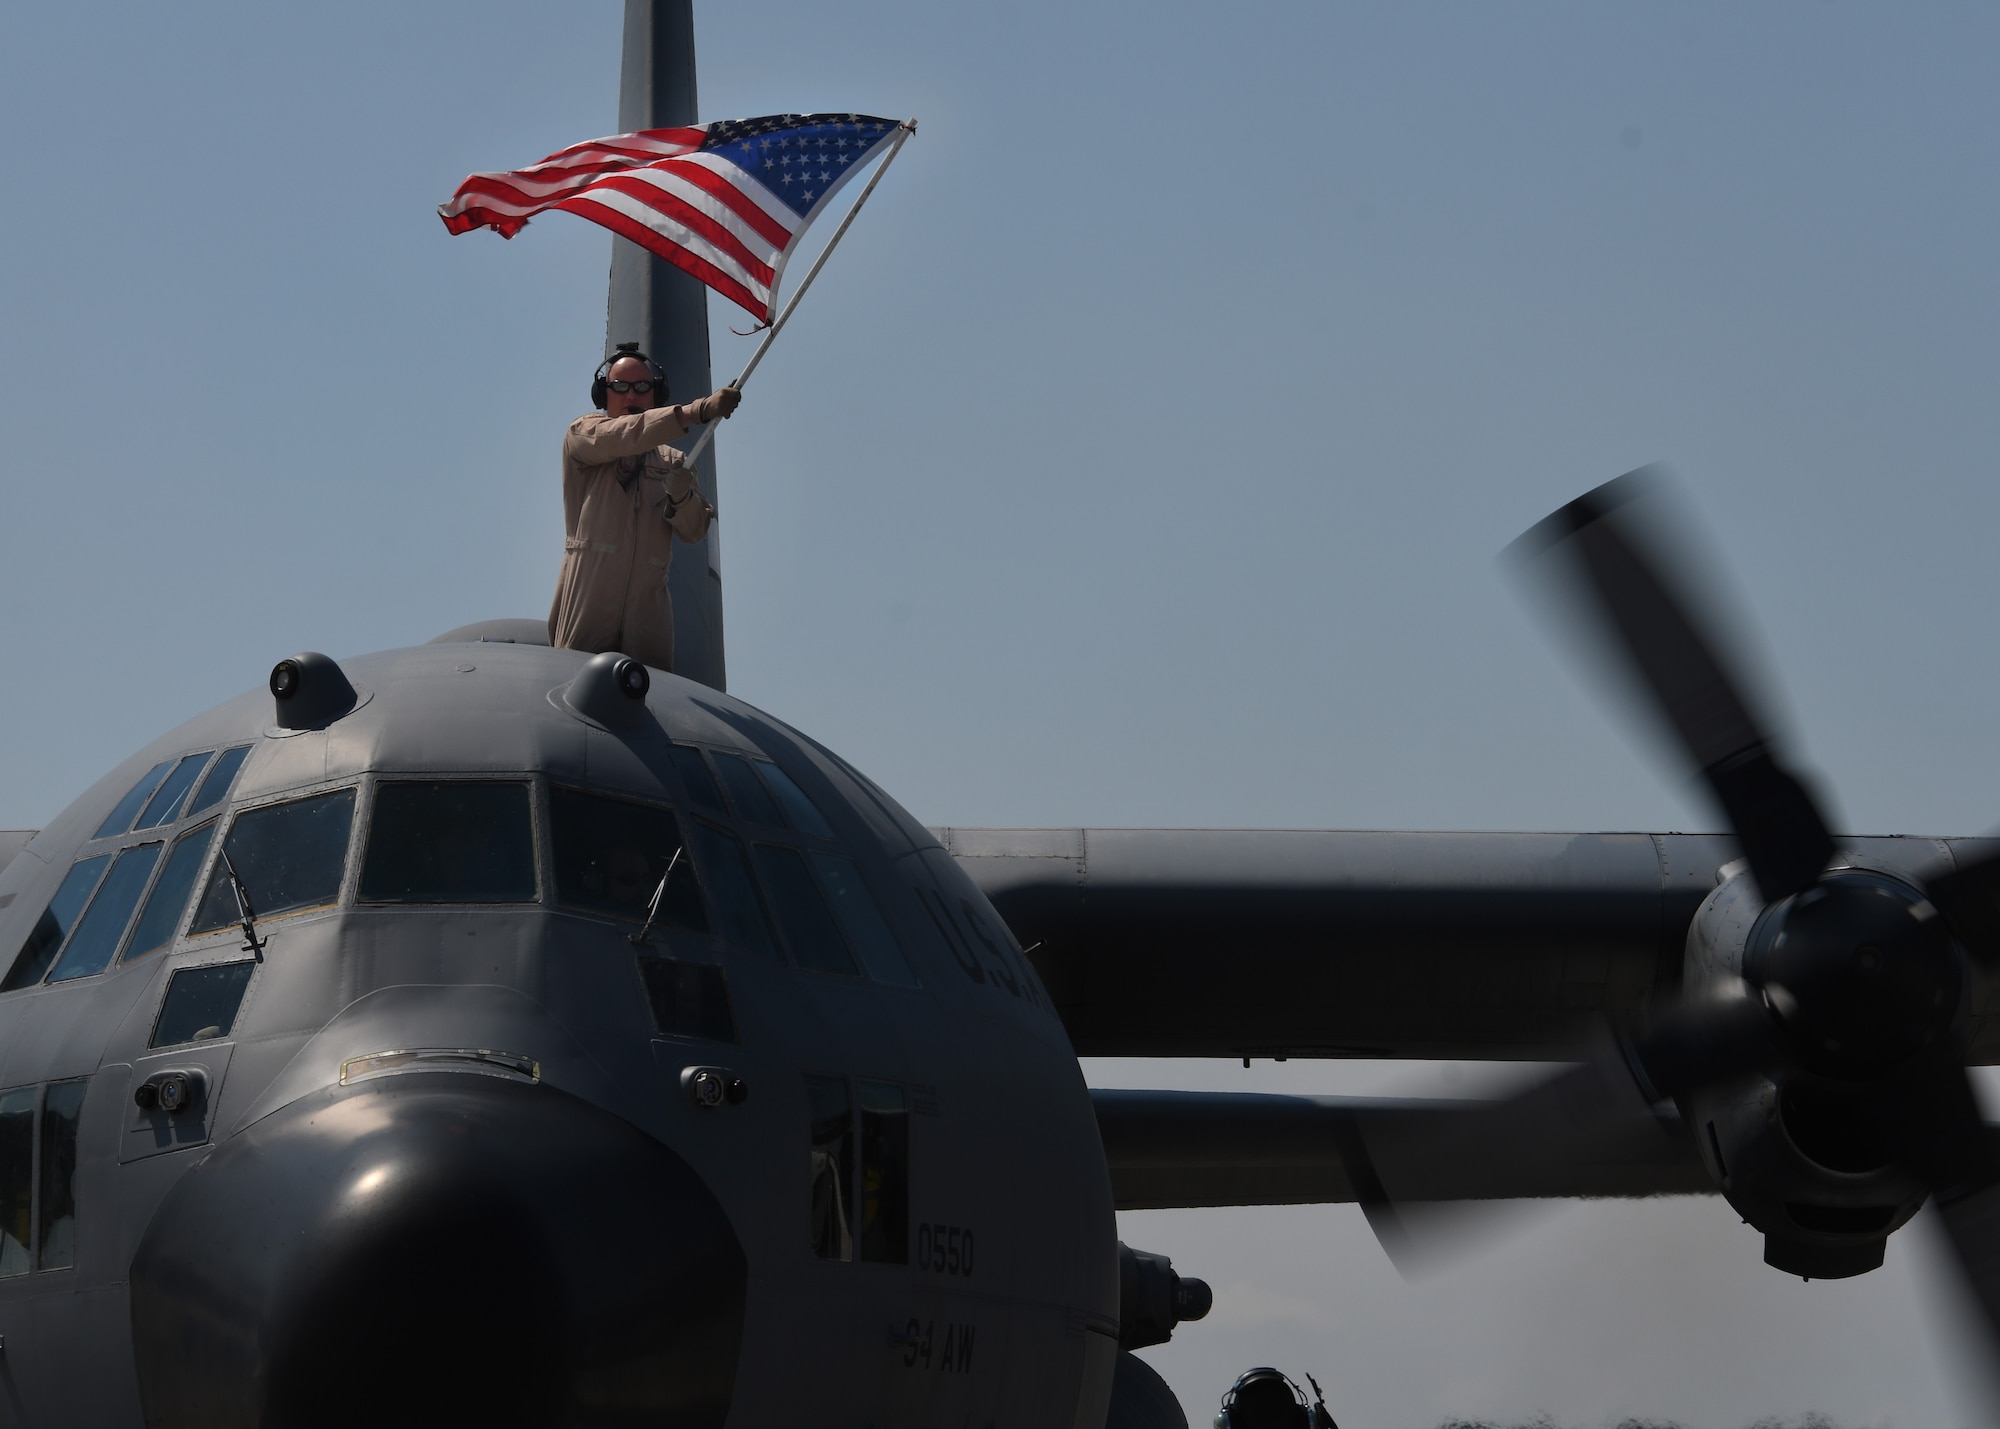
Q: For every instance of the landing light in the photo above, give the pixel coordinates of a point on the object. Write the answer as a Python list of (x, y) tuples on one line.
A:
[(711, 1087), (170, 1092), (485, 1060)]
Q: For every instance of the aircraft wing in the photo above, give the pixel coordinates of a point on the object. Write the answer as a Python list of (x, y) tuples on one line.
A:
[(1302, 943), (1167, 1148)]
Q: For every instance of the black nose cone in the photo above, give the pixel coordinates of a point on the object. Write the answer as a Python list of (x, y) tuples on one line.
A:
[(438, 1249)]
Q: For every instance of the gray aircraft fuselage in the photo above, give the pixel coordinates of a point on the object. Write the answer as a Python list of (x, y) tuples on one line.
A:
[(446, 1116)]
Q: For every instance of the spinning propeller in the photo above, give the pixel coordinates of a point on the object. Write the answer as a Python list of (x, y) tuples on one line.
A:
[(1850, 977)]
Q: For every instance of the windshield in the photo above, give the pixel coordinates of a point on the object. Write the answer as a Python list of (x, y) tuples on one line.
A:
[(450, 843), (289, 856)]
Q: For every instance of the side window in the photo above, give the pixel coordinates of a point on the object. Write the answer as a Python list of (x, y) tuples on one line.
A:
[(450, 843), (62, 1106), (611, 855), (688, 999), (215, 788), (753, 801), (127, 809), (168, 900), (201, 1004), (816, 940), (39, 1231), (832, 1160), (885, 1174), (46, 938), (102, 926), (165, 805), (800, 812), (727, 868), (17, 1177), (694, 773), (861, 918), (289, 856)]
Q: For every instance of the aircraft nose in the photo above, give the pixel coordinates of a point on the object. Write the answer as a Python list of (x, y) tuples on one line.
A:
[(438, 1248)]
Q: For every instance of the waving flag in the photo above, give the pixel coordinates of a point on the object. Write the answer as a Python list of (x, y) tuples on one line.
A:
[(727, 202)]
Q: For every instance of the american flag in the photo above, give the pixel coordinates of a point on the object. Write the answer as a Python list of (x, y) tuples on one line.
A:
[(727, 202)]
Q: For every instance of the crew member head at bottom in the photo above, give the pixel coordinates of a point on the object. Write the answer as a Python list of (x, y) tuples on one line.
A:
[(626, 496)]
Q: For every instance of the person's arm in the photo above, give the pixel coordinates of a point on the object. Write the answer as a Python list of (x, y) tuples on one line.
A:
[(596, 439), (687, 510)]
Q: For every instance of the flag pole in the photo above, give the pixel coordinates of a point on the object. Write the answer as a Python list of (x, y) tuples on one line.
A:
[(909, 127)]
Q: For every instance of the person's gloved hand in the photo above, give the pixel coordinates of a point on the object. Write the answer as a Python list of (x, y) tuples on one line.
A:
[(719, 403)]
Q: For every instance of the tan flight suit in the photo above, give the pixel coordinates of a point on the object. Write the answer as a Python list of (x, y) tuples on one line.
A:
[(624, 501)]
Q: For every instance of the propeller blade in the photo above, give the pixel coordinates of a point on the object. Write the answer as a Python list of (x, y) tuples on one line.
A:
[(1969, 898), (1598, 1109), (1613, 569), (1971, 1223), (1953, 1150)]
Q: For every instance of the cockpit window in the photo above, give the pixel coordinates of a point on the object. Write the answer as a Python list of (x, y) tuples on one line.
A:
[(289, 856), (688, 999), (884, 1202), (201, 1004), (62, 1109), (694, 773), (17, 1181), (753, 800), (832, 1164), (165, 805), (127, 809), (102, 927), (55, 923), (167, 901), (727, 868), (861, 919), (610, 856), (450, 843), (800, 812), (816, 940), (215, 788)]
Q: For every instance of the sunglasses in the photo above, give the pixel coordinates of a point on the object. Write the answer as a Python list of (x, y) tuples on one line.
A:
[(643, 385)]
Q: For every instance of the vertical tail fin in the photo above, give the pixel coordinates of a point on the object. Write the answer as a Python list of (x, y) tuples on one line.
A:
[(665, 311)]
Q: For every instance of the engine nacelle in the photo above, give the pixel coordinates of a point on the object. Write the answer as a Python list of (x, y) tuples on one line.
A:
[(1797, 1154)]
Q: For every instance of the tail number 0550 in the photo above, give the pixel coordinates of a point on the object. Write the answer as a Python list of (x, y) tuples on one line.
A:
[(945, 1249)]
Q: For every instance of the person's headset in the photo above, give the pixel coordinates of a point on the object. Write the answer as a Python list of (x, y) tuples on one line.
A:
[(600, 385), (1263, 1398)]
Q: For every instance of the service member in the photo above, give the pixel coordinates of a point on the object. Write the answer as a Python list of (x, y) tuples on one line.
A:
[(625, 497)]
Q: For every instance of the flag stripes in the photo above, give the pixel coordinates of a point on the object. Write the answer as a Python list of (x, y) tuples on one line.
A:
[(726, 202)]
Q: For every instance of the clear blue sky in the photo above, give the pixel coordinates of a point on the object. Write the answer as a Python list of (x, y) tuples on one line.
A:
[(1142, 458)]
